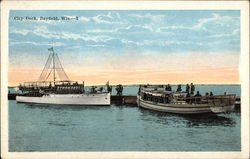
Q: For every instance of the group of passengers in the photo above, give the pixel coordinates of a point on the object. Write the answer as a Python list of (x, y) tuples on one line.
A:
[(190, 97), (189, 88)]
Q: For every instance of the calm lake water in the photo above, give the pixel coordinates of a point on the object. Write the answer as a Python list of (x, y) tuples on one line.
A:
[(37, 127)]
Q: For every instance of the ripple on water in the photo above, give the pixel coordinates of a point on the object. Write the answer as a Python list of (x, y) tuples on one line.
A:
[(35, 127)]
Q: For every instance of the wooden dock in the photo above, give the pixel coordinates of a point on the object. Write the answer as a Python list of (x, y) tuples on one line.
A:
[(126, 99), (12, 96)]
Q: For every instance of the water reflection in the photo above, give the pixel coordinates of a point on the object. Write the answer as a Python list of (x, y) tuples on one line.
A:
[(155, 113), (56, 123), (198, 120), (64, 107), (154, 116), (208, 120), (176, 120)]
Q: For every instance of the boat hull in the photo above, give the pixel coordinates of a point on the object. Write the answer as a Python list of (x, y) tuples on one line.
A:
[(69, 99), (184, 108)]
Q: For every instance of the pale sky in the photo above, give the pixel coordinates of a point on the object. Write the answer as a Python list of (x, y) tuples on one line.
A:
[(128, 47)]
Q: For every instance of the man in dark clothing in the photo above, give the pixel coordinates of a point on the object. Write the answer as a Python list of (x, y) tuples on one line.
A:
[(178, 88), (119, 89), (169, 87), (192, 88), (109, 88), (187, 88), (211, 95), (188, 100), (198, 94), (198, 97), (93, 89), (101, 89), (166, 88)]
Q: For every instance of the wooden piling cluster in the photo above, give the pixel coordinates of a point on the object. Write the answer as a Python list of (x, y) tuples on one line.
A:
[(12, 96), (124, 99)]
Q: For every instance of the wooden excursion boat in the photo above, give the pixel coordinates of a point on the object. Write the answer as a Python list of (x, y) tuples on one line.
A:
[(156, 97)]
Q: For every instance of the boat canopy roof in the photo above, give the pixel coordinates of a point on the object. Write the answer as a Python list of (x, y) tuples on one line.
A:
[(157, 92), (42, 83)]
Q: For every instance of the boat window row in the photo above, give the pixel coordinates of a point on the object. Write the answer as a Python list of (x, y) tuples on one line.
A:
[(177, 99)]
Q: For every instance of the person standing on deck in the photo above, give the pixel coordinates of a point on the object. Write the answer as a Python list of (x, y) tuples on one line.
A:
[(188, 100), (187, 88), (168, 87), (119, 89), (109, 88), (192, 88), (178, 88)]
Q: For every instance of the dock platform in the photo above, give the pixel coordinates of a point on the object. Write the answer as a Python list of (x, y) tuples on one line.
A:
[(12, 96), (125, 99)]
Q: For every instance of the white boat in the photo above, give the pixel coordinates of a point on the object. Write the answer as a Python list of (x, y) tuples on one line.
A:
[(61, 91), (88, 99), (156, 98)]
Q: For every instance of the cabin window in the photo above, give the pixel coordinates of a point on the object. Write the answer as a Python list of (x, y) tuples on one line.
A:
[(156, 100)]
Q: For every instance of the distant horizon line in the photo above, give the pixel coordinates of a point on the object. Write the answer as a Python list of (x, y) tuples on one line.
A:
[(156, 84)]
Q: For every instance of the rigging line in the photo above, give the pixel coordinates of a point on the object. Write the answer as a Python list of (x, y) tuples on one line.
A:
[(61, 67), (57, 68), (46, 66), (42, 78), (61, 74), (47, 63), (44, 74), (54, 65), (48, 75)]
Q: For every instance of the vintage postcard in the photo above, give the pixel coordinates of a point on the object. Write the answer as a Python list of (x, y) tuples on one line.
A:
[(125, 79)]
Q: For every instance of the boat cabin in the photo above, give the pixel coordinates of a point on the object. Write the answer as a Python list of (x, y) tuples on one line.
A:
[(57, 87), (158, 94)]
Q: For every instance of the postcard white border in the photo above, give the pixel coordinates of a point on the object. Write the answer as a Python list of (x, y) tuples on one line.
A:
[(243, 6)]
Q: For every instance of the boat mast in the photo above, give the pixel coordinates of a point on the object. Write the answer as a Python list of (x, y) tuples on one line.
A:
[(53, 66), (54, 70)]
